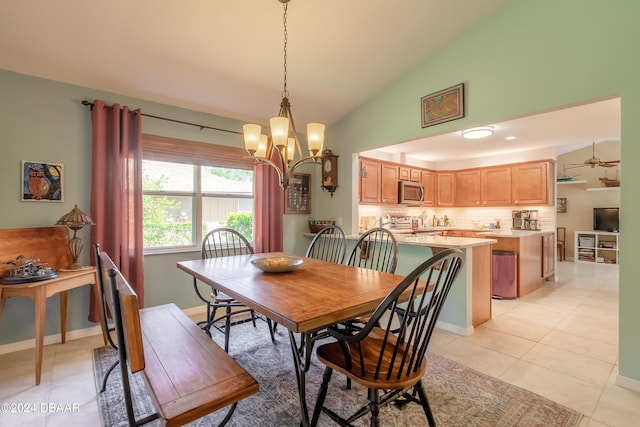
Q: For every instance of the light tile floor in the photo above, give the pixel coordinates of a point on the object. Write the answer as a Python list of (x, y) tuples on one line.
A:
[(561, 342)]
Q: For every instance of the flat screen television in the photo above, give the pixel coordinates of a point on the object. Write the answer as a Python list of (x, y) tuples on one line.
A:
[(606, 219)]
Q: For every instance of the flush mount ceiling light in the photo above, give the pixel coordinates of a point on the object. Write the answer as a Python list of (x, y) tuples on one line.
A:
[(477, 133), (284, 137)]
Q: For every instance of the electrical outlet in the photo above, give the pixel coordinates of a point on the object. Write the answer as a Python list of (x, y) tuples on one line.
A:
[(339, 221)]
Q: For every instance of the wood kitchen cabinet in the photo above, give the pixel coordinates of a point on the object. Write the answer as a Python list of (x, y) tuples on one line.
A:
[(445, 188), (428, 179), (468, 187), (451, 233), (518, 184), (530, 183), (370, 181), (548, 255), (495, 186), (529, 255), (379, 185), (505, 185), (409, 174), (389, 184)]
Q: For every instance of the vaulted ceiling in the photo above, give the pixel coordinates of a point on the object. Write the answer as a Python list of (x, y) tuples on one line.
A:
[(226, 57)]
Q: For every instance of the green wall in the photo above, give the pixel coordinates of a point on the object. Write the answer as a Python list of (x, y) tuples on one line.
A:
[(530, 56), (43, 120)]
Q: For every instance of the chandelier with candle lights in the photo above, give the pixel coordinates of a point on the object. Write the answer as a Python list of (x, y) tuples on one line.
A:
[(284, 137)]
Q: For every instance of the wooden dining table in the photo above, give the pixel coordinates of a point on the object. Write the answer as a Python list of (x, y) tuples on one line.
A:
[(305, 301)]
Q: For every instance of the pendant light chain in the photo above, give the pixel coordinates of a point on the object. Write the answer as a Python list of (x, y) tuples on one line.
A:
[(285, 93), (284, 135)]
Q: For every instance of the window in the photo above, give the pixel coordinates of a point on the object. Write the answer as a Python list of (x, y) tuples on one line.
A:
[(190, 188)]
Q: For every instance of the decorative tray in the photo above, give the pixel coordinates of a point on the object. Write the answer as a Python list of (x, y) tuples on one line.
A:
[(15, 280), (27, 270), (281, 264)]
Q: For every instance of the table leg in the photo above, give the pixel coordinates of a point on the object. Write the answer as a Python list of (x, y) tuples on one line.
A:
[(63, 316), (302, 360), (41, 314), (301, 377)]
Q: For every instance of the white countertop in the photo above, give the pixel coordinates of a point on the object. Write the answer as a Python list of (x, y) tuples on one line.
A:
[(442, 241), (433, 241), (514, 233)]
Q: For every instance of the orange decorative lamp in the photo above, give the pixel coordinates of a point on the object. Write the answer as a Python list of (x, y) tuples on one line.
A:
[(75, 220)]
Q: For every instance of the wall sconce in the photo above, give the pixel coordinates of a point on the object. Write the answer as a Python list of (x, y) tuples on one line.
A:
[(329, 171), (75, 220)]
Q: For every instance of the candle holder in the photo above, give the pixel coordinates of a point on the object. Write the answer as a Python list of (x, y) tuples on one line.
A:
[(75, 220)]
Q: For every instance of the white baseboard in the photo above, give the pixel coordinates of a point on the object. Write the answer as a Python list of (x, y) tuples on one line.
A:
[(50, 339), (200, 309), (454, 329), (628, 383), (75, 334)]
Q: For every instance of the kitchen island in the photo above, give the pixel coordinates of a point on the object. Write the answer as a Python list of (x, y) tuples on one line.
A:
[(469, 302), (535, 251)]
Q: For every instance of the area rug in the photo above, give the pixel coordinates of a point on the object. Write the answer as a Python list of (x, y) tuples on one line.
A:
[(459, 396)]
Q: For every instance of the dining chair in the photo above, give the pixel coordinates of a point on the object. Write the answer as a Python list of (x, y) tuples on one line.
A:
[(375, 249), (560, 242), (390, 352), (222, 242), (102, 276), (329, 244)]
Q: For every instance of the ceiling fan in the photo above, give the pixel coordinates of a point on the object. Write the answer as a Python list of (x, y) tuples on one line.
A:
[(595, 161)]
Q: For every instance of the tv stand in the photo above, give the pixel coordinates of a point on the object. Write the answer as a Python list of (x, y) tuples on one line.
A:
[(596, 247)]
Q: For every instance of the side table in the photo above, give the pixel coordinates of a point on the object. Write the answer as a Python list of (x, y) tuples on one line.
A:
[(40, 291)]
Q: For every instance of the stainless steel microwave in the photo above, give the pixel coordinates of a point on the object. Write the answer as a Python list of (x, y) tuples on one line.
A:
[(410, 193)]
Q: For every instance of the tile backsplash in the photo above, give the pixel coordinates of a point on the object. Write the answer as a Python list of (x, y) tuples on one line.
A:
[(463, 218)]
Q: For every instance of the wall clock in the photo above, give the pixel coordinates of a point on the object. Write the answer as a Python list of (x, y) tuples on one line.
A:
[(329, 171)]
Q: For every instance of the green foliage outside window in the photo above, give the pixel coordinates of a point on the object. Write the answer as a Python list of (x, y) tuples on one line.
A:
[(166, 225), (232, 174), (241, 222), (158, 231)]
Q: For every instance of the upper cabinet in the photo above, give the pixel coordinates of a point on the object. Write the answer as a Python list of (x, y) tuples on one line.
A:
[(409, 174), (389, 186), (445, 188), (468, 187), (530, 183), (378, 182), (370, 181), (518, 184), (428, 179), (495, 186)]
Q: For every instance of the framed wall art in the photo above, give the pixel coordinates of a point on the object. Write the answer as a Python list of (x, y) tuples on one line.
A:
[(443, 106), (562, 204), (42, 181), (297, 197)]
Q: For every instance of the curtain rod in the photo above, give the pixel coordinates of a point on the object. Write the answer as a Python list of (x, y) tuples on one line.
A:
[(90, 104)]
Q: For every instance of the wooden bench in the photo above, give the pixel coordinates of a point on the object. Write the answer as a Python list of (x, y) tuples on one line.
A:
[(187, 374)]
